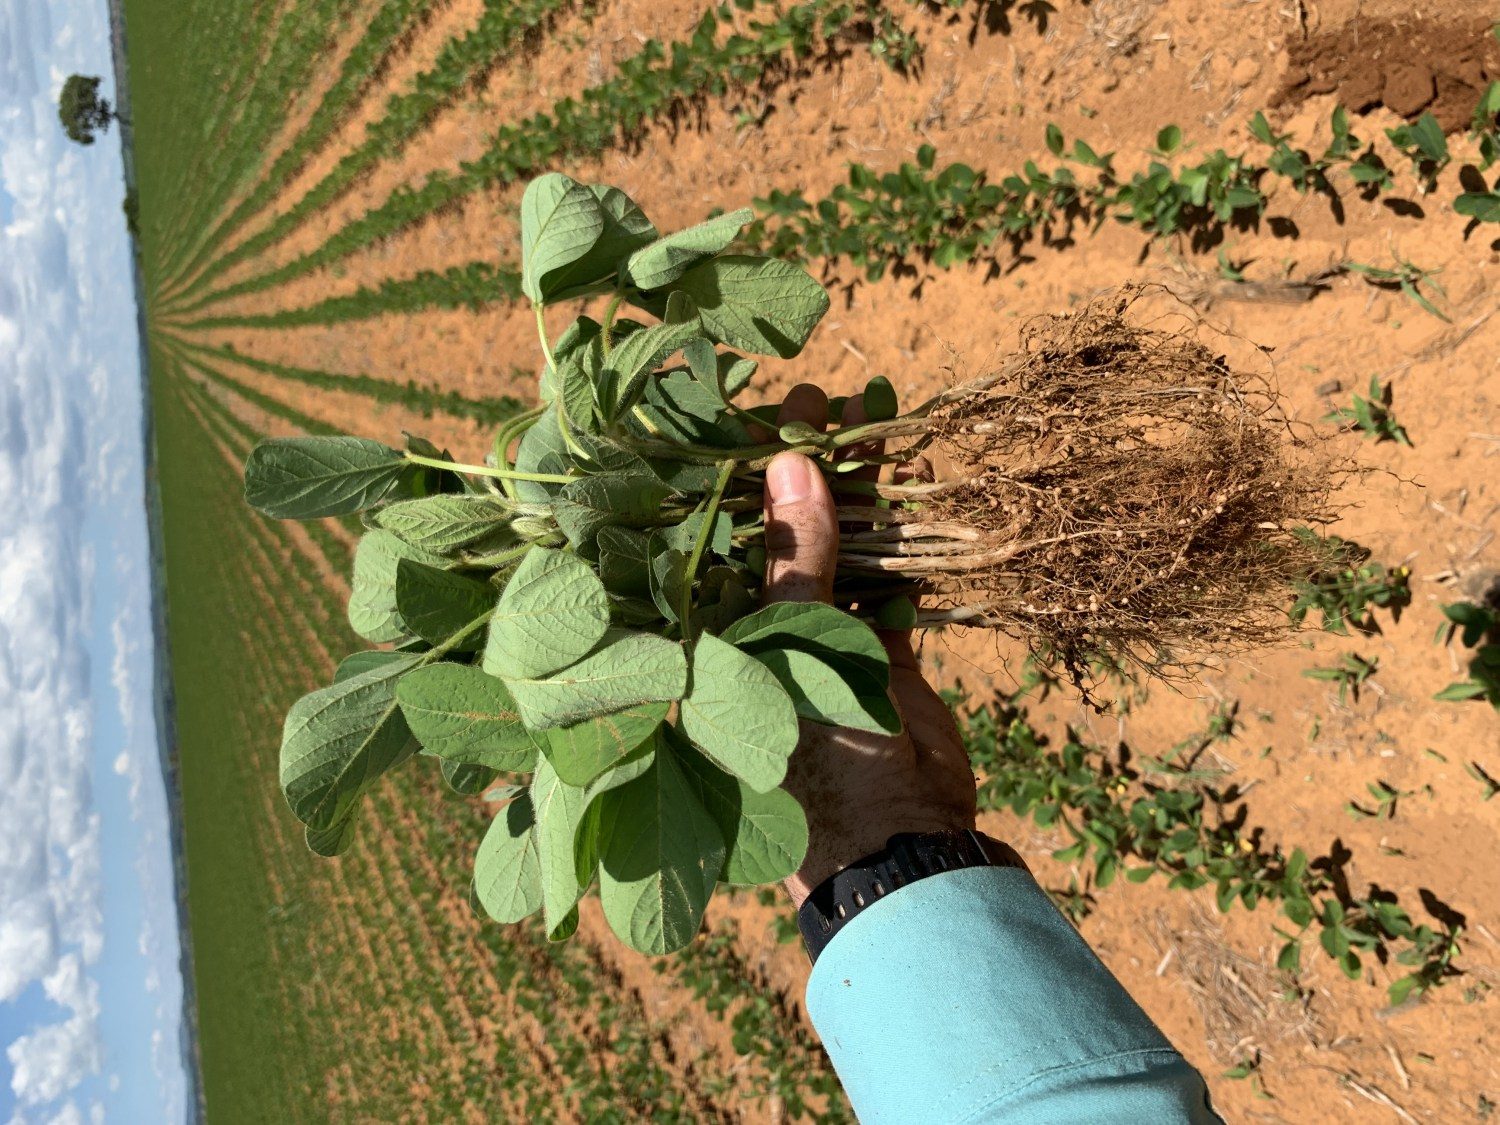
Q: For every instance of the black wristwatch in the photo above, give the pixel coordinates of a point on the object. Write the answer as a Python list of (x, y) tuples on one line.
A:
[(906, 857)]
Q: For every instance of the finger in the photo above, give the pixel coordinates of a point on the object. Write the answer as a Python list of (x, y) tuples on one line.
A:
[(899, 649), (806, 402), (918, 469), (854, 415), (802, 532)]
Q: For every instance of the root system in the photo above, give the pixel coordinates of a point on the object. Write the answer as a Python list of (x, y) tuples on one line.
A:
[(1112, 492)]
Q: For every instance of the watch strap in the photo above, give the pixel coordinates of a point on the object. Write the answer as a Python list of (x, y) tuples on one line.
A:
[(906, 858)]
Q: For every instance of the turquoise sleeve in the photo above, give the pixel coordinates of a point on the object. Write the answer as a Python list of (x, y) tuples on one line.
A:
[(967, 997)]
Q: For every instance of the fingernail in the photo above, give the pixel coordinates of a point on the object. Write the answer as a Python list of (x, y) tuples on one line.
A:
[(790, 478)]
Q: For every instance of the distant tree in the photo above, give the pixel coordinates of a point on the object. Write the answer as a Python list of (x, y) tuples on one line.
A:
[(133, 213), (82, 111)]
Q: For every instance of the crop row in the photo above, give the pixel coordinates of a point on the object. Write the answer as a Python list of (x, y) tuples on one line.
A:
[(212, 603), (178, 76), (229, 158), (954, 215), (654, 82), (378, 877), (462, 64), (1142, 816), (417, 399), (951, 216), (391, 27)]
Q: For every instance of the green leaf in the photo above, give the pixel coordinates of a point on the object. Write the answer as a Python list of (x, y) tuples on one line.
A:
[(668, 573), (1460, 692), (840, 694), (1484, 206), (1168, 139), (624, 562), (1428, 135), (633, 360), (553, 611), (626, 229), (738, 714), (759, 305), (827, 633), (766, 833), (581, 752), (507, 867), (684, 536), (559, 809), (628, 669), (434, 604), (590, 504), (333, 840), (443, 522), (561, 220), (462, 714), (470, 780), (1054, 139), (304, 478), (660, 853), (668, 258), (357, 662), (338, 740), (372, 595)]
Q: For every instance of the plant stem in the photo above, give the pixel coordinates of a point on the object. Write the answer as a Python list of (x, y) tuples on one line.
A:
[(494, 562), (505, 436), (486, 471), (710, 510), (455, 640), (541, 331), (609, 321)]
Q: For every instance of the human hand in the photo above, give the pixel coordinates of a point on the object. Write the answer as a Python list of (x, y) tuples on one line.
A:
[(858, 789)]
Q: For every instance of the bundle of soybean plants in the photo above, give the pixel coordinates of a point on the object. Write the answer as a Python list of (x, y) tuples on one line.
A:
[(571, 624)]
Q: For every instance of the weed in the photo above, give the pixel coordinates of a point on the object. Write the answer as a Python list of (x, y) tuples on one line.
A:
[(1350, 674), (1385, 798), (1407, 277), (1372, 415)]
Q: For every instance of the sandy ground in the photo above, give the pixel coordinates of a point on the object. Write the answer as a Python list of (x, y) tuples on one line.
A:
[(1114, 73)]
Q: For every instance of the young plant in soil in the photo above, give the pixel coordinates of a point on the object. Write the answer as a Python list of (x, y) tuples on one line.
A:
[(581, 605)]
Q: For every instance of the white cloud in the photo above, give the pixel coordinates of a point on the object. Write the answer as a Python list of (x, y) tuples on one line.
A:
[(69, 463)]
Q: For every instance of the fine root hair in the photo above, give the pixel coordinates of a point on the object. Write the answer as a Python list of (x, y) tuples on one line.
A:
[(1137, 501)]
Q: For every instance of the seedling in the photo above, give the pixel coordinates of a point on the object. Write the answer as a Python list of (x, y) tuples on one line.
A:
[(1385, 799), (581, 605), (1486, 128), (1478, 627), (1425, 146), (1346, 587), (1477, 772), (1168, 821), (1482, 206), (1349, 674), (1372, 416)]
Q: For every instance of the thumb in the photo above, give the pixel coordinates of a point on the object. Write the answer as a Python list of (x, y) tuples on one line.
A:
[(802, 532)]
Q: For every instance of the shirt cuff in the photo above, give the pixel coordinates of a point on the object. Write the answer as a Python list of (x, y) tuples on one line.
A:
[(966, 996)]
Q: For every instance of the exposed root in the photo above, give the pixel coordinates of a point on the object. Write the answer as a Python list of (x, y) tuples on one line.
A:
[(1123, 495)]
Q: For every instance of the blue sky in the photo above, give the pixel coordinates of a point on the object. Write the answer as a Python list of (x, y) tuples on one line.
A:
[(90, 989)]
